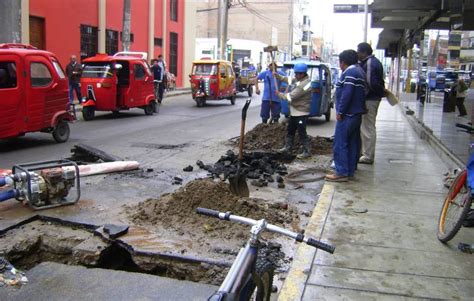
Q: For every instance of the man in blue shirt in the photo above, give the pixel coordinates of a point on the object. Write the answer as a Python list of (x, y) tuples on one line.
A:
[(350, 105), (270, 99)]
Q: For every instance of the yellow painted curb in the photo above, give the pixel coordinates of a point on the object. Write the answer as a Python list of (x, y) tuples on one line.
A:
[(295, 282)]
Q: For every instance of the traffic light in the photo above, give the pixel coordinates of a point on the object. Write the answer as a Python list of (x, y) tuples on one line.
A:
[(229, 52)]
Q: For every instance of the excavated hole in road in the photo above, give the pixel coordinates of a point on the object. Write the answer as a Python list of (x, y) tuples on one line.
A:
[(39, 241)]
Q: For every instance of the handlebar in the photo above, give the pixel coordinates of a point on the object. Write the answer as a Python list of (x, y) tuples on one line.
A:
[(228, 216)]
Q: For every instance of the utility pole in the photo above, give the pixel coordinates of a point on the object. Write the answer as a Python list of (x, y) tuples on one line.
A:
[(10, 21), (222, 19), (366, 19), (126, 25), (291, 30)]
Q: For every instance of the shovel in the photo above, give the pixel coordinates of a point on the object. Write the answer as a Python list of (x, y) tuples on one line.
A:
[(238, 182)]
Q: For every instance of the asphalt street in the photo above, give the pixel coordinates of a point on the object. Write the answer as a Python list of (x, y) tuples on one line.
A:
[(187, 130)]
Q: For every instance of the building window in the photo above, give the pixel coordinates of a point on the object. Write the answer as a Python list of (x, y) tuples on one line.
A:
[(111, 41), (88, 41), (174, 10), (158, 42), (173, 53)]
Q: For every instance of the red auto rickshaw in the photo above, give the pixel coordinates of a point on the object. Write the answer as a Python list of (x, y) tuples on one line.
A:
[(212, 80), (33, 93), (115, 83)]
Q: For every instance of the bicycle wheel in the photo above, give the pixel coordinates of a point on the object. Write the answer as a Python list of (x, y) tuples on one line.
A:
[(264, 274), (455, 208)]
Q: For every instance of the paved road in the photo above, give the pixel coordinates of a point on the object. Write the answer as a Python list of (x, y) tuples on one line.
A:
[(138, 137)]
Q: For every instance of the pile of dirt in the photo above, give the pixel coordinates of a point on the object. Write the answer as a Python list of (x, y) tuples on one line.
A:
[(177, 211), (271, 137)]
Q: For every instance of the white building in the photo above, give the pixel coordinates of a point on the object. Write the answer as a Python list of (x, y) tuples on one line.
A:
[(240, 49)]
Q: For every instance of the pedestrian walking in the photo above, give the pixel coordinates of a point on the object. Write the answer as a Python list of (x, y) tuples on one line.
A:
[(73, 73), (461, 93), (376, 90), (299, 100), (350, 106), (270, 101), (158, 69)]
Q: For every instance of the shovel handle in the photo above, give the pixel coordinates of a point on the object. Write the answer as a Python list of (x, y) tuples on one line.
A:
[(242, 128)]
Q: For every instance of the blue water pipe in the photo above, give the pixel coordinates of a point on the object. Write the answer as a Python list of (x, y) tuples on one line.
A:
[(10, 194)]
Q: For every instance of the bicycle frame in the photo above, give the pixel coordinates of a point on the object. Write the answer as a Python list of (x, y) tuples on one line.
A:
[(244, 267)]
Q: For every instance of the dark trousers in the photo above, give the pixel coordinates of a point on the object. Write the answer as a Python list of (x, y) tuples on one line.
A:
[(267, 107), (346, 146), (74, 87), (298, 123), (159, 90), (461, 107)]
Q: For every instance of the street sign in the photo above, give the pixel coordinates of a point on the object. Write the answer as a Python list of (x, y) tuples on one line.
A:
[(349, 8)]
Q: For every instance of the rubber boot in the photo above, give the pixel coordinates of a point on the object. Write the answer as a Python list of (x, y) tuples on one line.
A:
[(289, 141), (306, 149)]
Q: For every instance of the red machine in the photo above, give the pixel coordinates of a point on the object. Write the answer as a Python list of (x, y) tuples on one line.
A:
[(114, 83), (33, 93)]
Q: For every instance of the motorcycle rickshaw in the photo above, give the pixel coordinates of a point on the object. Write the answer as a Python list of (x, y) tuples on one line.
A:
[(212, 80), (321, 86), (245, 77), (115, 83), (33, 93)]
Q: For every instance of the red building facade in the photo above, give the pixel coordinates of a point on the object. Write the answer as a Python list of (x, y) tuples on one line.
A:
[(67, 27)]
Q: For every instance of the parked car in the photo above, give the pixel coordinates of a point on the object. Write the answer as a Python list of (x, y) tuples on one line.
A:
[(115, 83), (33, 93)]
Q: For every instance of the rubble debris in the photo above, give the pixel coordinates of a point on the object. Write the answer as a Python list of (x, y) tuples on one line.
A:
[(271, 137), (177, 180), (115, 231), (176, 211), (10, 276), (259, 166), (83, 153), (188, 168)]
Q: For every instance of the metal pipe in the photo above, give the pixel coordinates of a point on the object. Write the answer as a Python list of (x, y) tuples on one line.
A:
[(126, 25), (366, 19)]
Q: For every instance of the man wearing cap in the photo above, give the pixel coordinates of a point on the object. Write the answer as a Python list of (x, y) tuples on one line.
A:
[(299, 100)]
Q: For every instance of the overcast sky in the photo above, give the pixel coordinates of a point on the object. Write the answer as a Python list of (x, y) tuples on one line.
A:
[(345, 30)]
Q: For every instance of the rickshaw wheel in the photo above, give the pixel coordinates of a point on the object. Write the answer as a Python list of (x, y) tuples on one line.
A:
[(61, 132), (149, 108), (88, 113), (250, 90), (232, 100), (200, 102), (328, 114)]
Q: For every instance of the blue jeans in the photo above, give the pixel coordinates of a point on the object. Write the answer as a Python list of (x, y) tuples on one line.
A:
[(346, 146), (74, 87), (275, 109)]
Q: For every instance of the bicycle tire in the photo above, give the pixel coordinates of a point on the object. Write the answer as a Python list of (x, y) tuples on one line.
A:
[(455, 208), (264, 271)]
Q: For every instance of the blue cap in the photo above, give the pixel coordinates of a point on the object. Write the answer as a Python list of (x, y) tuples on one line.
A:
[(301, 68)]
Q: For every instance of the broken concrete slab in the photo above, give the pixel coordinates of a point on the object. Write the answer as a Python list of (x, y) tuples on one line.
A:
[(115, 231), (53, 281)]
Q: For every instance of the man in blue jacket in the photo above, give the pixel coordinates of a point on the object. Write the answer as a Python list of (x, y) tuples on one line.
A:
[(270, 100), (350, 105), (376, 90)]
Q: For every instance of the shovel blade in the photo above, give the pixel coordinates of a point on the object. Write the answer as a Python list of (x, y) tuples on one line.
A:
[(238, 185)]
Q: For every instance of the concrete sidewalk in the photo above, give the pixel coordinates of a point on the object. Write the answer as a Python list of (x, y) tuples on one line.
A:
[(383, 225)]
